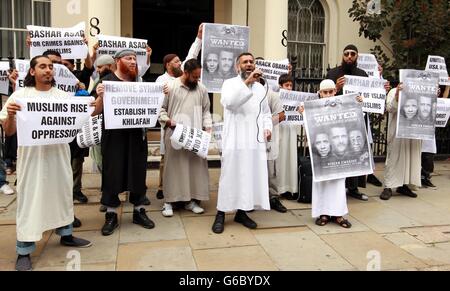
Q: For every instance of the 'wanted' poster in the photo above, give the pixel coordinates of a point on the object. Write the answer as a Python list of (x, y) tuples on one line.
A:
[(272, 71), (132, 104), (110, 45), (291, 101), (50, 120), (372, 89), (337, 137), (437, 64), (369, 64), (416, 116), (4, 81), (69, 42), (222, 44)]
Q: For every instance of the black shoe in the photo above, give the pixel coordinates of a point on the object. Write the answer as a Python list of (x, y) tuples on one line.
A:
[(386, 194), (140, 217), (404, 190), (160, 195), (358, 195), (287, 196), (427, 183), (23, 263), (241, 217), (111, 223), (219, 224), (103, 208), (80, 197), (146, 201), (75, 242), (374, 181), (76, 222), (276, 205)]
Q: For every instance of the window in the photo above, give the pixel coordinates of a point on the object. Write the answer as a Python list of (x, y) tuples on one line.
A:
[(15, 16), (306, 37)]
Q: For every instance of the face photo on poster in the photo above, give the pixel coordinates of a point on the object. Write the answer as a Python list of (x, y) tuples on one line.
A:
[(221, 45), (417, 105), (337, 138)]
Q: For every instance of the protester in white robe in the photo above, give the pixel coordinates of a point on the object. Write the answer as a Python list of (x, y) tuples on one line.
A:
[(174, 69), (243, 184), (44, 174), (403, 160), (329, 199)]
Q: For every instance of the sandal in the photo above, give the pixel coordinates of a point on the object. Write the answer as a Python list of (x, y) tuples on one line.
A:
[(342, 222), (322, 220)]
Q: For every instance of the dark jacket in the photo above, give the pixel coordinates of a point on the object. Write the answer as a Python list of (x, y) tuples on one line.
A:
[(338, 72)]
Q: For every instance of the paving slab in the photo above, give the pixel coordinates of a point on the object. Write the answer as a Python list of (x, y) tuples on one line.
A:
[(358, 249), (200, 235), (8, 240), (300, 249), (274, 219), (84, 267), (156, 256), (430, 234), (91, 218), (166, 228), (7, 200), (8, 216), (247, 258), (306, 219), (103, 250)]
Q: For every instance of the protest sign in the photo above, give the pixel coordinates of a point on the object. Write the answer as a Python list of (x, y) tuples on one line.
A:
[(191, 139), (272, 71), (65, 79), (132, 104), (4, 81), (110, 45), (22, 67), (47, 121), (337, 137), (217, 131), (91, 133), (291, 101), (69, 42), (222, 44), (417, 105), (372, 89), (442, 112), (437, 64), (369, 64)]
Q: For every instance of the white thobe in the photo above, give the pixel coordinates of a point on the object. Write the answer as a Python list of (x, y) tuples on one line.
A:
[(44, 181), (165, 78), (243, 181), (329, 198)]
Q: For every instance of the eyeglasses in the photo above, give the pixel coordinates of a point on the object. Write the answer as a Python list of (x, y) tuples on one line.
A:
[(352, 53)]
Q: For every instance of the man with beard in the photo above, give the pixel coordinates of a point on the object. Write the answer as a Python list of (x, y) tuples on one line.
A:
[(124, 154), (425, 109), (226, 59), (44, 174), (174, 69), (185, 174), (349, 66), (247, 128)]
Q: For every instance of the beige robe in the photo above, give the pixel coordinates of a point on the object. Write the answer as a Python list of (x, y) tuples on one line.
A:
[(185, 175), (287, 175), (403, 161), (44, 181)]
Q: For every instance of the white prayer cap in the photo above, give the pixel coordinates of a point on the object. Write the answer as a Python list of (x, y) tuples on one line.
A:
[(104, 60), (327, 85)]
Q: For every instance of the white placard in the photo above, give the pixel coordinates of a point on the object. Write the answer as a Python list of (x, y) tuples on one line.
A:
[(372, 89), (4, 81), (91, 133), (132, 104), (69, 42), (110, 45), (272, 71), (217, 131), (65, 79), (442, 112), (291, 101), (437, 64), (369, 64), (47, 121), (191, 139), (22, 67)]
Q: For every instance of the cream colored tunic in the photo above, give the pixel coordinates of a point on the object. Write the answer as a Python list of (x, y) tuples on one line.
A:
[(287, 176), (403, 161), (44, 181), (185, 175)]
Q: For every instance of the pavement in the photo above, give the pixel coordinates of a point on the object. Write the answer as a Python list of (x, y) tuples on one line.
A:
[(400, 234)]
